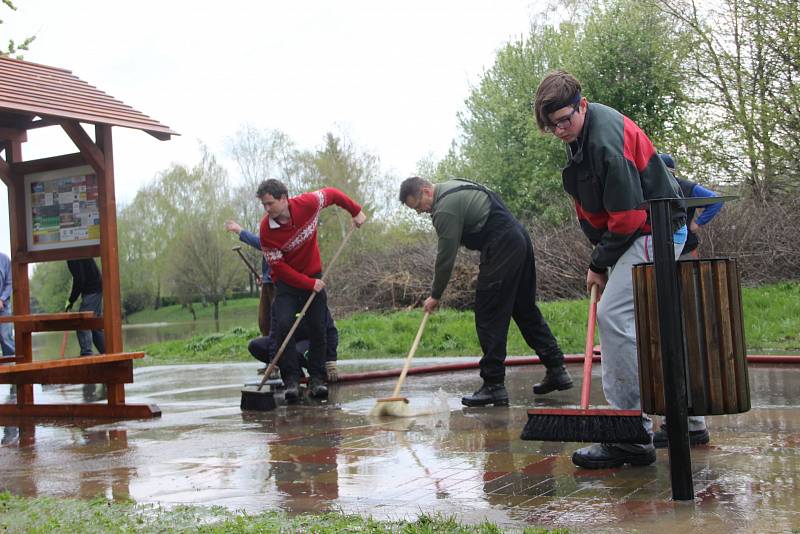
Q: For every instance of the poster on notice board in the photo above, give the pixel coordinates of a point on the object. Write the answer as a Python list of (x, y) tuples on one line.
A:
[(61, 208)]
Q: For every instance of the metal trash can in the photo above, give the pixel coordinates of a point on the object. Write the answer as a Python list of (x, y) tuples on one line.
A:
[(716, 361)]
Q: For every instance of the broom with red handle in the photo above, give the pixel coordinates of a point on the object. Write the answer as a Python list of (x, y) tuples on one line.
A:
[(585, 424)]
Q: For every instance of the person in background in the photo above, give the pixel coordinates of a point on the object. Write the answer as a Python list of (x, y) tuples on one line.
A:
[(265, 281), (6, 329), (612, 168), (698, 431), (87, 283), (693, 190), (264, 348)]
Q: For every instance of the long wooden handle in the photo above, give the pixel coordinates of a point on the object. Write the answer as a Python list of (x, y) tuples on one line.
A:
[(63, 345), (246, 261), (302, 313), (410, 356), (588, 349)]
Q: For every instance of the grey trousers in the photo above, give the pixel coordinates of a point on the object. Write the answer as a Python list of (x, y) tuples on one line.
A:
[(616, 324), (92, 302)]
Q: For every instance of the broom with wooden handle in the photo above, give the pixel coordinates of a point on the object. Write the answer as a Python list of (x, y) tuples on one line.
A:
[(395, 405), (585, 424)]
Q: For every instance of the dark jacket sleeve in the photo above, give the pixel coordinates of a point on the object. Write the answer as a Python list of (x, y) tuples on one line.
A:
[(77, 281)]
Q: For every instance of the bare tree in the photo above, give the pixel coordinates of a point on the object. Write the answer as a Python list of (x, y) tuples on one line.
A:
[(745, 89)]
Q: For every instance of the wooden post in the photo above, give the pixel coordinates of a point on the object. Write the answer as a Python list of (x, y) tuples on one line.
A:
[(19, 270), (109, 249)]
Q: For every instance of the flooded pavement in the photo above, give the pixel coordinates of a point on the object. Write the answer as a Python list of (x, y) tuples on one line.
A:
[(331, 456)]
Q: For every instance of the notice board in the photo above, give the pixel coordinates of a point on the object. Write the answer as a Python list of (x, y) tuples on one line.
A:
[(61, 208)]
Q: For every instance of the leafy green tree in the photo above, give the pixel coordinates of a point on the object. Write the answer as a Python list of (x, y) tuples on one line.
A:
[(138, 281), (630, 58), (340, 163), (500, 144), (13, 48), (200, 262), (624, 54), (50, 286)]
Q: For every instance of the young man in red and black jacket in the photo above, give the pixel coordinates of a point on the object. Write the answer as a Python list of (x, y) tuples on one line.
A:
[(612, 168), (288, 235)]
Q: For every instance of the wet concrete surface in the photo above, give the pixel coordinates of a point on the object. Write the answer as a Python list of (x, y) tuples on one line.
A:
[(469, 462)]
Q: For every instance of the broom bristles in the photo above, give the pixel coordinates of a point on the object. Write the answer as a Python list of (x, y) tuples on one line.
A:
[(581, 427)]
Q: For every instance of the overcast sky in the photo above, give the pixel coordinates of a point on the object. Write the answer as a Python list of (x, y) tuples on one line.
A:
[(392, 75)]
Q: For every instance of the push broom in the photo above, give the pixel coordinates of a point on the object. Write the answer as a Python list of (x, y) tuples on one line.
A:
[(585, 424), (264, 401), (395, 405)]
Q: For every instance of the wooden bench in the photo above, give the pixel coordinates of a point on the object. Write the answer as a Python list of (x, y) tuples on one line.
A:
[(55, 322), (114, 370)]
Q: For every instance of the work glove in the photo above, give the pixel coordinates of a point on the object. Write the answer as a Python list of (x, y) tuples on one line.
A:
[(67, 306), (331, 372)]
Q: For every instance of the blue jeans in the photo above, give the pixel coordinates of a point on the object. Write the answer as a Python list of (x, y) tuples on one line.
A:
[(92, 302), (7, 332)]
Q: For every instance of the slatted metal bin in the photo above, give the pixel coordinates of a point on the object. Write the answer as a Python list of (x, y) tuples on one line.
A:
[(713, 327)]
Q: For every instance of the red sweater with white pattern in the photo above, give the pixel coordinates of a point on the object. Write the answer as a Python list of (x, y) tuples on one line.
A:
[(291, 249)]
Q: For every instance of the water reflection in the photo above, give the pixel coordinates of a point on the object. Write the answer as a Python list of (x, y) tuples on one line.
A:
[(85, 449), (47, 345), (304, 469)]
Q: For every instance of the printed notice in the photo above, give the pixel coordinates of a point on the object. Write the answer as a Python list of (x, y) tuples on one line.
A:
[(62, 208)]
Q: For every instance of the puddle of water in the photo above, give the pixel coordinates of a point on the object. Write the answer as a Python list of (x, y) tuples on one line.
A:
[(466, 462)]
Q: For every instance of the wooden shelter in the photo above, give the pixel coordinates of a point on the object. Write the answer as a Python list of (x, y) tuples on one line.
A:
[(63, 207)]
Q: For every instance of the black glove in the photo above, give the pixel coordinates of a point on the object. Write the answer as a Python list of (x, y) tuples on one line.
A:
[(68, 306)]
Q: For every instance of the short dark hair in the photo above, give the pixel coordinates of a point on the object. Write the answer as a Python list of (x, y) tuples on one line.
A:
[(274, 187), (411, 187), (557, 89)]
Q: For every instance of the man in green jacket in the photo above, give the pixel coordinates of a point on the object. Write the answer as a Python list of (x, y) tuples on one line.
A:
[(469, 214)]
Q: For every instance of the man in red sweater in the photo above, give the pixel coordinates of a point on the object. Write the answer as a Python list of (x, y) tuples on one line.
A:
[(288, 235)]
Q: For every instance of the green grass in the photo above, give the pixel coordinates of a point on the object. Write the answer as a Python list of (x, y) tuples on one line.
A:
[(49, 515), (245, 309), (772, 324), (772, 317)]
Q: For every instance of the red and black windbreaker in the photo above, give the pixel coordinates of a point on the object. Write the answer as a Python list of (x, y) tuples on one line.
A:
[(612, 169)]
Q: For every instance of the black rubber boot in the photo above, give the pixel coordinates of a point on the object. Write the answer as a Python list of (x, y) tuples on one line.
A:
[(606, 455), (556, 378), (317, 387), (488, 394), (292, 393)]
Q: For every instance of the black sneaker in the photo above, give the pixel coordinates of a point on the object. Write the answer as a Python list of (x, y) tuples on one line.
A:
[(696, 437), (318, 388), (488, 394), (556, 378), (606, 455)]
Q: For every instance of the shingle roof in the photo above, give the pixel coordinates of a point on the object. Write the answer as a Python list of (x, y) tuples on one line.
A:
[(48, 92)]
